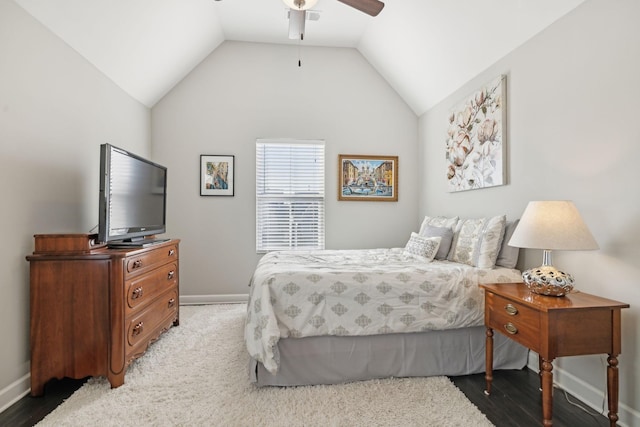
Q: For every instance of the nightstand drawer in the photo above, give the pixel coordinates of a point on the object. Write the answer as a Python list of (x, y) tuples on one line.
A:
[(518, 322)]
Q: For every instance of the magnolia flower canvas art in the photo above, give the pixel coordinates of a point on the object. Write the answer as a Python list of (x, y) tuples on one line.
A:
[(475, 139)]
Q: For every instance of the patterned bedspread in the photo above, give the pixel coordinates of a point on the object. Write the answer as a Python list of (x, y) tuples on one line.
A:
[(359, 292)]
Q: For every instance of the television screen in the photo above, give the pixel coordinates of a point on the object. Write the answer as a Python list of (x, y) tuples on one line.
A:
[(132, 197)]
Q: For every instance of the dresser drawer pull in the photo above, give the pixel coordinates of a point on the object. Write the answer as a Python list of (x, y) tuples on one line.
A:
[(171, 274), (172, 252), (511, 309), (137, 263), (510, 328), (137, 293), (137, 330), (171, 303)]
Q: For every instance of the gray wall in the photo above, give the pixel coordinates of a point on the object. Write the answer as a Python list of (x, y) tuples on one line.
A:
[(573, 109), (55, 111), (245, 91)]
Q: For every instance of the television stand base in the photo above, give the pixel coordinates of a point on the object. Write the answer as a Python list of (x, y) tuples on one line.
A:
[(141, 243)]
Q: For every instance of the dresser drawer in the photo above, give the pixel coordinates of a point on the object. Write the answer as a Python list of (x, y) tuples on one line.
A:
[(149, 260), (144, 327), (142, 289), (517, 321)]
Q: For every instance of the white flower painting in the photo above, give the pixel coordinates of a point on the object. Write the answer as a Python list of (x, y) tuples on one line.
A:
[(475, 139)]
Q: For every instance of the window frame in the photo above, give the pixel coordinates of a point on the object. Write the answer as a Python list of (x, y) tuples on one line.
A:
[(279, 189)]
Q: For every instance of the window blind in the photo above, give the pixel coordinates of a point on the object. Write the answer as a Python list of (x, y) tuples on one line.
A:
[(289, 195)]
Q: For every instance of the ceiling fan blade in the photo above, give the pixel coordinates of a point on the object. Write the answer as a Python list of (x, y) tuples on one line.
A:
[(370, 7)]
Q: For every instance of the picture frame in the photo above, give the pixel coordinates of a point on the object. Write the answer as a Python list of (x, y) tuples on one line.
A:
[(367, 178), (217, 175), (476, 139)]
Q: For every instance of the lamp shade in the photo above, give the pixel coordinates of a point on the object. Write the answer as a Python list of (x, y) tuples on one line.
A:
[(552, 225), (300, 4)]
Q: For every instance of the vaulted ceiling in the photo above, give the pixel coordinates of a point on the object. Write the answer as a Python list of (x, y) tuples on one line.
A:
[(425, 49)]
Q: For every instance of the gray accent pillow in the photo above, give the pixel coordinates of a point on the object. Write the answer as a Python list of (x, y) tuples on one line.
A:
[(445, 233), (438, 221), (508, 255)]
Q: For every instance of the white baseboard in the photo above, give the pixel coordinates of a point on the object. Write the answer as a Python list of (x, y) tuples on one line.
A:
[(14, 392), (589, 395), (214, 299)]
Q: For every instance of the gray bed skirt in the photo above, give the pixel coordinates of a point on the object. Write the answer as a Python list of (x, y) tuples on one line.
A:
[(333, 359)]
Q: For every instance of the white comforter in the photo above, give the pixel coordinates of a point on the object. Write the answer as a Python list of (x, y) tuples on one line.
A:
[(359, 292)]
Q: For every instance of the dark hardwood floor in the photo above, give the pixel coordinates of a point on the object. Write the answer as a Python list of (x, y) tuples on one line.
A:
[(28, 411), (515, 401)]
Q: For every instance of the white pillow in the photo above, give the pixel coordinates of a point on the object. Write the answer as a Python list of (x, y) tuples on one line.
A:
[(476, 242), (423, 247), (438, 221)]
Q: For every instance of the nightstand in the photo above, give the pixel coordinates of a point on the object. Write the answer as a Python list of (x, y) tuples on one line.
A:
[(576, 324)]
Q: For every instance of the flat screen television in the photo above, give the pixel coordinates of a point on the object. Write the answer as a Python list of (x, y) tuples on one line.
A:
[(133, 198)]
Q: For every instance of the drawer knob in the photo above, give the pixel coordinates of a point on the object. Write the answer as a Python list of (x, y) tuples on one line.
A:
[(172, 302), (137, 330), (137, 293), (137, 263), (511, 328), (172, 252), (511, 309), (171, 274)]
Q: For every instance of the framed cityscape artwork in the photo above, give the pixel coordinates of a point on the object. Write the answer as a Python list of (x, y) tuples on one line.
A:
[(368, 178)]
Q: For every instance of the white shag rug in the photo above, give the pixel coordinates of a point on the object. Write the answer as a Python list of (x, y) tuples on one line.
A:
[(197, 375)]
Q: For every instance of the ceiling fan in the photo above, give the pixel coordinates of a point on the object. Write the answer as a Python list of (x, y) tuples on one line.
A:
[(370, 7), (298, 13)]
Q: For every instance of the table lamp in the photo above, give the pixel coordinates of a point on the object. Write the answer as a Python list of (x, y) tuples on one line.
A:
[(551, 225)]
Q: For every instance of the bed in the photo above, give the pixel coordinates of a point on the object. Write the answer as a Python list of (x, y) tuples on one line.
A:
[(333, 316)]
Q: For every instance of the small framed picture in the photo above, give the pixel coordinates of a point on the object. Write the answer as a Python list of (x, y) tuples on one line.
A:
[(216, 175), (368, 178)]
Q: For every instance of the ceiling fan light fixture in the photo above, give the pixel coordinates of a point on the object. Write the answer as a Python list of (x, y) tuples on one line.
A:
[(300, 4)]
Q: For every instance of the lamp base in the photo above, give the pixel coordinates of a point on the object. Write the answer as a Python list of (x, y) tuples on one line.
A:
[(548, 280)]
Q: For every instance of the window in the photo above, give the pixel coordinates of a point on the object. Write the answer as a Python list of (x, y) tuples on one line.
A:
[(289, 195)]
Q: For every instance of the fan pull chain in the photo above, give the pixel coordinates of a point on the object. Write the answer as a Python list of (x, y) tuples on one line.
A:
[(300, 49)]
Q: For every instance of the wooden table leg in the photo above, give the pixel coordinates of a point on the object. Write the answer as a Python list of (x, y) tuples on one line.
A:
[(612, 389), (489, 361), (547, 392)]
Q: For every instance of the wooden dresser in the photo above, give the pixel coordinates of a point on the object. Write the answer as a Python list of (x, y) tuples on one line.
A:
[(94, 309)]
